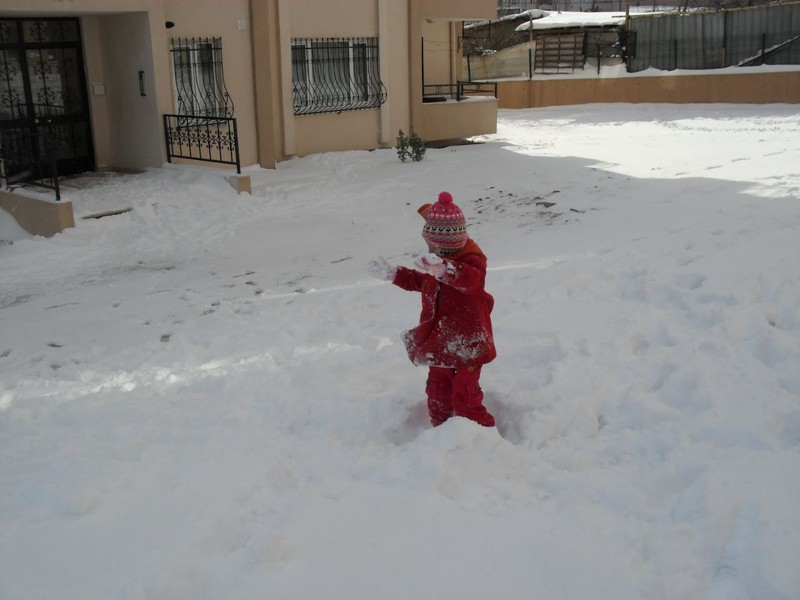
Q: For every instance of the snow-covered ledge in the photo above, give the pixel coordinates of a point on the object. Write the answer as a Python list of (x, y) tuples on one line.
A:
[(36, 213)]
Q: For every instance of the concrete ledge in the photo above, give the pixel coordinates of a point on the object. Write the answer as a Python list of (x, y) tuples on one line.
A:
[(448, 120), (241, 183), (38, 216)]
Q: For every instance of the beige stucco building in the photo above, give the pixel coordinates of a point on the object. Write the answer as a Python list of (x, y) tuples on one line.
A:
[(299, 76)]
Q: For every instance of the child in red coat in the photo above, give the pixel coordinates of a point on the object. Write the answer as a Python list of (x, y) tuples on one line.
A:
[(454, 336)]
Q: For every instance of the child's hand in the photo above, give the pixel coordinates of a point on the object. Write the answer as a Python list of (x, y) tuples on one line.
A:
[(431, 264), (380, 269)]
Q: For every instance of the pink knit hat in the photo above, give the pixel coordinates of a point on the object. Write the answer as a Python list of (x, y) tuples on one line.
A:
[(445, 226)]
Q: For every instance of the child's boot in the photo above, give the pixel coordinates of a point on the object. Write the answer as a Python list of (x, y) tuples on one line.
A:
[(439, 392), (468, 397)]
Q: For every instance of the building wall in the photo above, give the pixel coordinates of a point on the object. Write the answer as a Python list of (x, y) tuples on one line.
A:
[(134, 133), (124, 37), (119, 40), (93, 56), (215, 18), (344, 18), (439, 51), (347, 130), (465, 10), (744, 88), (400, 25)]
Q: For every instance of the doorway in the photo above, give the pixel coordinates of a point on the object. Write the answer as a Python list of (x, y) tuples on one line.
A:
[(44, 109)]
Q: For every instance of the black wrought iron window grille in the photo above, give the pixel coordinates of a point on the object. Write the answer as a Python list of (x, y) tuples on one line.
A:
[(200, 91), (335, 75)]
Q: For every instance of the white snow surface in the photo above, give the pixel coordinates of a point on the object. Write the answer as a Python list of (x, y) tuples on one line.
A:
[(561, 19), (207, 397)]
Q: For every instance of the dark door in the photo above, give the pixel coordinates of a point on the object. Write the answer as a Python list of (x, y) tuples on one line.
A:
[(44, 110)]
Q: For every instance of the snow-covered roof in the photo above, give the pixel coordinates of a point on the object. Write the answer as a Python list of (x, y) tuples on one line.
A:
[(558, 20), (534, 13)]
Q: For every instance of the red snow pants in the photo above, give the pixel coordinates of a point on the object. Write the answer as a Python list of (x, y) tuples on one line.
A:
[(456, 392)]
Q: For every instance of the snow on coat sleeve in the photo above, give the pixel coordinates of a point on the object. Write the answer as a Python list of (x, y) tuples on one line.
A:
[(467, 276)]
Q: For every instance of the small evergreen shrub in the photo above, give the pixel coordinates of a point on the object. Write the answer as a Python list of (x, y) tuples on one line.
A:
[(402, 146), (412, 147), (416, 147)]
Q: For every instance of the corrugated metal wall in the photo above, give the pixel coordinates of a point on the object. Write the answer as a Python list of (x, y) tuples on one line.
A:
[(713, 40)]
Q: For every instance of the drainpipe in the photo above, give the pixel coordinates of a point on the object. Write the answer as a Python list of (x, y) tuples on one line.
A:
[(422, 61), (383, 69), (455, 75)]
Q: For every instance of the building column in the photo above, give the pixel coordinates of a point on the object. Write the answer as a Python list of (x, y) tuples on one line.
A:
[(415, 66)]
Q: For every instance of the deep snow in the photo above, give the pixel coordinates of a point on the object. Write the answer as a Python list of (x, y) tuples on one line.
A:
[(207, 397)]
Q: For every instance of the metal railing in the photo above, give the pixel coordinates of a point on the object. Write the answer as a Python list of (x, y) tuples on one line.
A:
[(206, 139), (440, 92), (29, 157), (200, 78), (335, 75)]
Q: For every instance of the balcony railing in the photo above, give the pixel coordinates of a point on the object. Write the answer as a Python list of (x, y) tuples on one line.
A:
[(202, 138), (442, 92), (28, 157)]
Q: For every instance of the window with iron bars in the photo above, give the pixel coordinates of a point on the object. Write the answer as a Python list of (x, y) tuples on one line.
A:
[(199, 78), (336, 74)]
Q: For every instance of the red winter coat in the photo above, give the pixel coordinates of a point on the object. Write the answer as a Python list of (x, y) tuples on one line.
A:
[(455, 329)]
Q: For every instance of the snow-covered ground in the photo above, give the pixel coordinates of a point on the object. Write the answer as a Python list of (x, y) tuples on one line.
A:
[(207, 397)]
